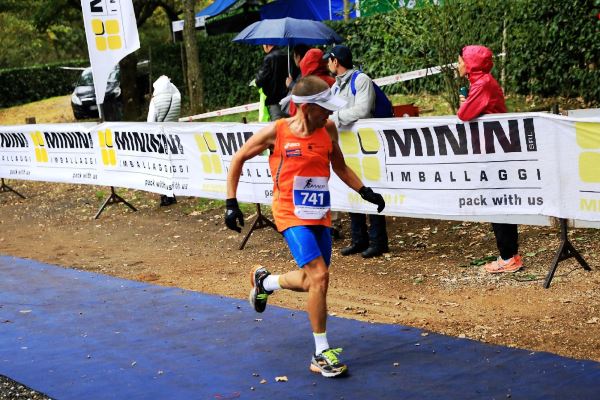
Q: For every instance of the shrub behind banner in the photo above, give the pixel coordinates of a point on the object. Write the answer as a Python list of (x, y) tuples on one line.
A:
[(552, 50), (227, 67), (24, 85)]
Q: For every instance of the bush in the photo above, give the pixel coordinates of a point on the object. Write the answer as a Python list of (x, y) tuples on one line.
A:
[(24, 85), (227, 67), (552, 49), (406, 40)]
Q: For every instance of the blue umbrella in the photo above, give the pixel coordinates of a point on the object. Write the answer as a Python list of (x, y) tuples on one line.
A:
[(288, 32)]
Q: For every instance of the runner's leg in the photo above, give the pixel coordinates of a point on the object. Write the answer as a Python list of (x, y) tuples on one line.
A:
[(318, 281), (311, 248)]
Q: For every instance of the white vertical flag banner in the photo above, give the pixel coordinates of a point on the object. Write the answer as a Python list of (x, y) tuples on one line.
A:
[(111, 32)]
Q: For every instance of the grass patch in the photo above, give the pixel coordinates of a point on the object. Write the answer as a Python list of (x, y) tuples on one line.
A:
[(58, 109), (251, 116), (429, 105), (53, 110), (482, 261), (204, 205), (100, 195)]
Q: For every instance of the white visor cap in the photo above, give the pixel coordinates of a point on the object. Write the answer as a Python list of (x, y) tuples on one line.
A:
[(325, 99)]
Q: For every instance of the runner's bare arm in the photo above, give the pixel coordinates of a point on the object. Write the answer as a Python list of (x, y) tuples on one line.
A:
[(338, 163), (257, 143)]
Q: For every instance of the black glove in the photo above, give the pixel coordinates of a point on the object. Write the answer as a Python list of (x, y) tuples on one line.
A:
[(369, 195), (233, 215)]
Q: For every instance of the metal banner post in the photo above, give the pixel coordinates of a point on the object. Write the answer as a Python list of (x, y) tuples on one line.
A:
[(260, 222), (565, 251), (5, 188), (113, 198)]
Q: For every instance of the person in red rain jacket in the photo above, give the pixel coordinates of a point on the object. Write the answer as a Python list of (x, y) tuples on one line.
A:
[(313, 64), (485, 96)]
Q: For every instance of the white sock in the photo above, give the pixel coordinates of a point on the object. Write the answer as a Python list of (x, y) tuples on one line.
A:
[(321, 342), (271, 283)]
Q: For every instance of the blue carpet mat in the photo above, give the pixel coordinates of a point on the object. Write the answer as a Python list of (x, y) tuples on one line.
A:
[(78, 335)]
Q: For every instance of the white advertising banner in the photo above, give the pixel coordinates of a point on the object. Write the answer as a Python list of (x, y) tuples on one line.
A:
[(111, 32), (513, 165), (49, 152), (485, 167)]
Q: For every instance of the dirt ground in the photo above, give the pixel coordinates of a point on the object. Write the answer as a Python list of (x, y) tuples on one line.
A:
[(428, 280)]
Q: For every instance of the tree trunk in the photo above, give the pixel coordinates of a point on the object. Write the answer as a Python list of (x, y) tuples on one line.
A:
[(346, 10), (129, 89), (193, 70)]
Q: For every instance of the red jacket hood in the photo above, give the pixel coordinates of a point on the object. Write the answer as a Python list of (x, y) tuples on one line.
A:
[(485, 94), (313, 64), (478, 60)]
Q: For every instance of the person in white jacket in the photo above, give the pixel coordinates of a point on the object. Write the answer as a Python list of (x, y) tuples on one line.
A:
[(165, 106)]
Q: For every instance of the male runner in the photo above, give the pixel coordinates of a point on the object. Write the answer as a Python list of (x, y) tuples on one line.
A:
[(303, 148)]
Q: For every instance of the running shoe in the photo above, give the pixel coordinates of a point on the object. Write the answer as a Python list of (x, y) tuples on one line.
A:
[(499, 266), (328, 364), (258, 295)]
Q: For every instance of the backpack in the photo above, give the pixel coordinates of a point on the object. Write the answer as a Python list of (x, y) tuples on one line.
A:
[(383, 105)]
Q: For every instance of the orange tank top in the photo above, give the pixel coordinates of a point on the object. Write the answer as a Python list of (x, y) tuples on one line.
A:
[(300, 167)]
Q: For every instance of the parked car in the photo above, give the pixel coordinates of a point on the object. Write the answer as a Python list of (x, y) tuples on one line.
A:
[(83, 99)]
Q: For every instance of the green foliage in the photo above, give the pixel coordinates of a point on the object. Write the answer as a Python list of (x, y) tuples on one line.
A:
[(227, 67), (405, 40), (38, 32), (24, 85), (554, 48), (482, 261), (166, 60)]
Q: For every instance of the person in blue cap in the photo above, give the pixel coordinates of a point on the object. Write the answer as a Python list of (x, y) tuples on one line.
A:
[(372, 241)]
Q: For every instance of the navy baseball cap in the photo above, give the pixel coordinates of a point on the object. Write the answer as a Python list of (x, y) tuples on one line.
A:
[(342, 54)]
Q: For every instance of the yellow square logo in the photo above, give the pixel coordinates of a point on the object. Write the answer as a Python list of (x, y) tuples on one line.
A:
[(112, 27), (109, 156), (101, 43), (589, 167), (369, 143), (114, 42), (349, 142), (360, 152), (41, 154), (107, 34), (588, 138), (97, 27), (354, 164), (588, 135), (211, 161)]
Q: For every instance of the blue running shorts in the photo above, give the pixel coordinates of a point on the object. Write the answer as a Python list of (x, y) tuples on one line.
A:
[(309, 242)]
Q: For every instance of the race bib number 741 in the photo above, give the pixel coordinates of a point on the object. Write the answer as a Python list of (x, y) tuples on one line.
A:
[(311, 197)]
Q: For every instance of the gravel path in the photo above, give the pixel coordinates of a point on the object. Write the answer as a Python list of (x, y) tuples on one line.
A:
[(10, 390)]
